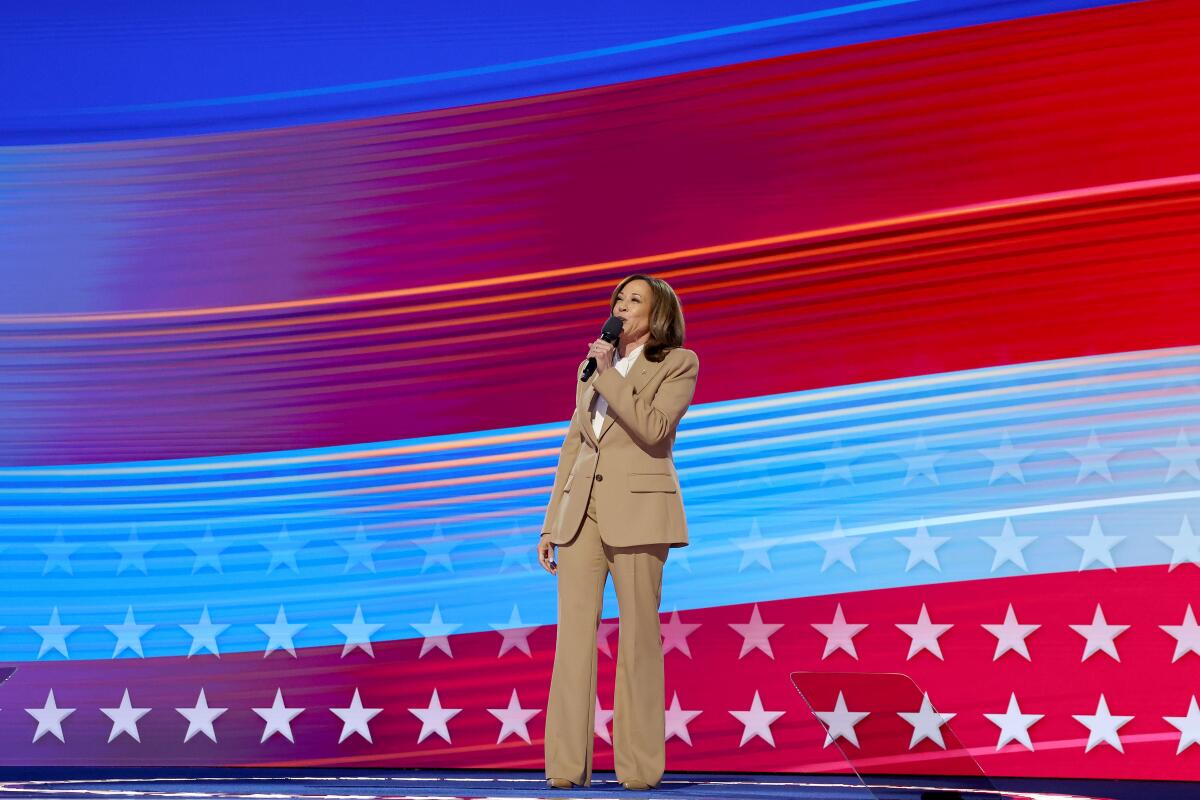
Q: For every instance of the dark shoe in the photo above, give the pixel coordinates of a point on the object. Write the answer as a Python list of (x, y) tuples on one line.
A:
[(636, 785), (559, 783)]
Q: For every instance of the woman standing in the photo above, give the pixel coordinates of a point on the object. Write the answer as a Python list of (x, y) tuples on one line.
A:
[(616, 508)]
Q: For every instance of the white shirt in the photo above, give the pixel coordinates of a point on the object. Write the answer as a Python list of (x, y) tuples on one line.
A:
[(601, 406)]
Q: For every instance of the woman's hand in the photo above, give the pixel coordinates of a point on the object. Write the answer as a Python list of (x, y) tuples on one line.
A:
[(545, 551), (602, 351)]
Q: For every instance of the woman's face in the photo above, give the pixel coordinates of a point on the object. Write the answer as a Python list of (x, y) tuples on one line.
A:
[(633, 307)]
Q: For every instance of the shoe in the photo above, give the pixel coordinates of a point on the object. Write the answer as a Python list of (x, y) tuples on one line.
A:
[(636, 785), (559, 783)]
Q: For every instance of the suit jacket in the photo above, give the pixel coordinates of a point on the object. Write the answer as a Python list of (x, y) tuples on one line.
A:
[(629, 466)]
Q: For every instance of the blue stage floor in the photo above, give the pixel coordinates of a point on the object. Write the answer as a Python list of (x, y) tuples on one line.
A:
[(46, 784)]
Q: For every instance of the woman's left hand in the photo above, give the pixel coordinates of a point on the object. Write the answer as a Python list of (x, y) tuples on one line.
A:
[(602, 351)]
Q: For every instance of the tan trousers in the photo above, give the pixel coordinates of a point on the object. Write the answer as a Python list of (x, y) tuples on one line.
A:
[(639, 718)]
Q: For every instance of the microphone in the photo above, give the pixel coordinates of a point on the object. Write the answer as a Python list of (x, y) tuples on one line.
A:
[(610, 333)]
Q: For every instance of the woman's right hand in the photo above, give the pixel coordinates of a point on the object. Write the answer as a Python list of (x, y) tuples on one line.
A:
[(545, 551)]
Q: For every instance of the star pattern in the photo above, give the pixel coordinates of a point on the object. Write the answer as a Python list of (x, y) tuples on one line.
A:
[(435, 719), (924, 634), (436, 633), (675, 634), (514, 720), (1185, 545), (1096, 546), (840, 721), (756, 721), (756, 634), (1009, 547), (922, 548), (756, 548), (677, 719), (514, 633), (1100, 636), (1014, 724), (355, 719), (839, 634), (358, 633), (839, 548)]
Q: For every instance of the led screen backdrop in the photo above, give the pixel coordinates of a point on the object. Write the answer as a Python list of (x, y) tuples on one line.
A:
[(288, 346)]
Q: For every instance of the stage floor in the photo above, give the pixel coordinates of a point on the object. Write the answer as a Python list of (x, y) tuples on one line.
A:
[(45, 784)]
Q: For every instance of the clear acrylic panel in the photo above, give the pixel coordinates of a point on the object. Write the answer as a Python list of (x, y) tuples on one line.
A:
[(893, 737)]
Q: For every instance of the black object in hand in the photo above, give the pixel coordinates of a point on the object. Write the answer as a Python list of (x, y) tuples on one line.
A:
[(610, 333)]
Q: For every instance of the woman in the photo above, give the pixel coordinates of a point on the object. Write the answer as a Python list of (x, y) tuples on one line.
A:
[(616, 508)]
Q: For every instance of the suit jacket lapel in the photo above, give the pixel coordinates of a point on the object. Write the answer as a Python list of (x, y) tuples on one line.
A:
[(640, 373)]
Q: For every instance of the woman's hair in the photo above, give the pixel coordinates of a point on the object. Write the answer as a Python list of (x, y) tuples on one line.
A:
[(666, 316)]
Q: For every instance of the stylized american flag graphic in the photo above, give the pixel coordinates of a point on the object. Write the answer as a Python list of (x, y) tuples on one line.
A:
[(946, 431)]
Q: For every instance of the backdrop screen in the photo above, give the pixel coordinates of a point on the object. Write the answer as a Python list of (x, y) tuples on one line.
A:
[(291, 314)]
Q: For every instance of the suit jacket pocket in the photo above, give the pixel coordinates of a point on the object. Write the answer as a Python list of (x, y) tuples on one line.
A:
[(652, 482)]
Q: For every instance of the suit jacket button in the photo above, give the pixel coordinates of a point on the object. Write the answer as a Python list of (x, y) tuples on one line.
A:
[(599, 477)]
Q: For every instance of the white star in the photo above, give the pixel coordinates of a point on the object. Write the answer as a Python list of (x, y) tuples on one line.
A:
[(515, 633), (839, 723), (922, 463), (54, 634), (208, 552), (756, 634), (58, 554), (603, 631), (436, 633), (204, 634), (1010, 635), (1093, 459), (678, 719), (1014, 725), (200, 718), (124, 718), (356, 719), (278, 718), (837, 463), (1186, 634), (1100, 635), (922, 548), (1097, 548), (434, 718), (839, 634), (437, 549), (1006, 459), (1188, 727), (129, 634), (1102, 726), (675, 634), (927, 723), (1008, 546), (359, 551), (133, 552), (756, 722), (924, 634), (756, 548), (514, 719), (358, 633), (49, 718), (679, 558), (279, 633), (1185, 546), (516, 555), (838, 547), (601, 722), (283, 552), (1183, 457)]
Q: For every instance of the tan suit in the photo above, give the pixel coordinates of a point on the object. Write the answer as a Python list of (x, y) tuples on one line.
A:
[(616, 508)]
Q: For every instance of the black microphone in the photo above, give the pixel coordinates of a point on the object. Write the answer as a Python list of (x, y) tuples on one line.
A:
[(610, 333)]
